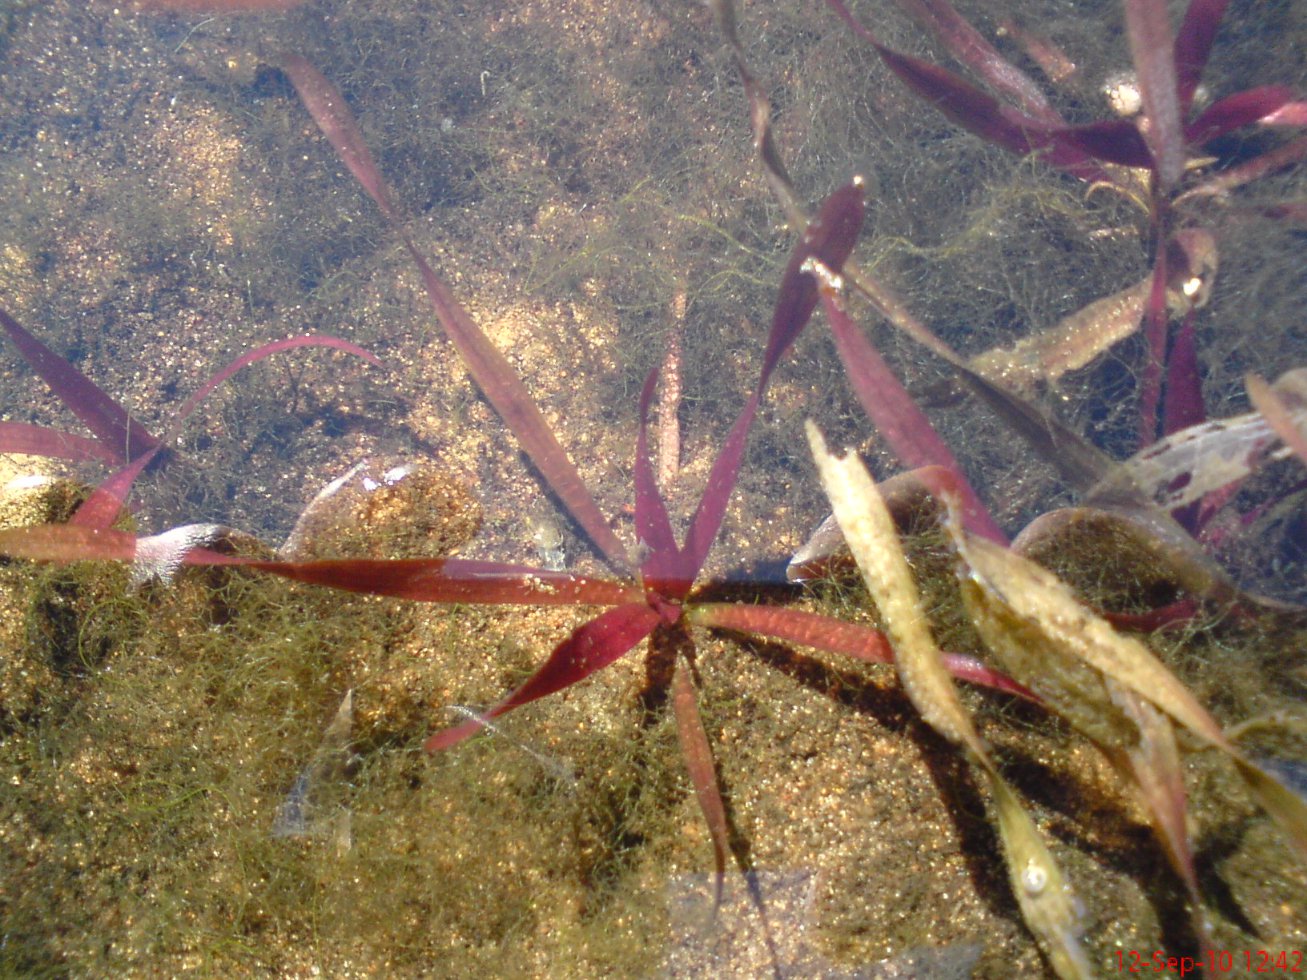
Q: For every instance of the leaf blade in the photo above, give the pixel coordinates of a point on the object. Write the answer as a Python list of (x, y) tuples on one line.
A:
[(591, 647)]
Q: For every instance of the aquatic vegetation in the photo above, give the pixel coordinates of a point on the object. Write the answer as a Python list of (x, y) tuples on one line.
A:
[(658, 606), (1165, 141), (654, 593), (1130, 494), (119, 439)]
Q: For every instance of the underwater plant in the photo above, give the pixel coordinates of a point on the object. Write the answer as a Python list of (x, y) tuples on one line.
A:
[(119, 439), (659, 605), (1192, 474), (654, 593)]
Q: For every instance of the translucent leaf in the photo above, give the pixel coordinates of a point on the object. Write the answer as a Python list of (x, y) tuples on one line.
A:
[(1047, 902), (1036, 626)]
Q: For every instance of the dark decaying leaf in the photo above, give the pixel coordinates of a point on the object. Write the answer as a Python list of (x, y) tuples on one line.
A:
[(1284, 407), (1043, 635), (1152, 765), (764, 141), (1047, 903)]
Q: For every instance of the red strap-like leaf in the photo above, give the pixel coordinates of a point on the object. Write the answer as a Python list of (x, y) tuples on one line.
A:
[(104, 505), (830, 238), (1193, 45), (418, 579), (662, 565), (120, 435), (591, 647), (894, 413), (65, 543), (329, 111), (981, 113), (836, 636), (1152, 49), (697, 753), (451, 580), (489, 368), (1232, 112), (107, 500), (1292, 114), (39, 440), (969, 47), (1286, 155)]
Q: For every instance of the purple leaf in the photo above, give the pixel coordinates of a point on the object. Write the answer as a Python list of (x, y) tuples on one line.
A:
[(962, 102), (969, 47), (1112, 141), (1232, 112), (591, 647), (836, 636), (981, 113), (894, 413), (1152, 49), (708, 516), (1193, 45), (38, 440), (661, 568), (121, 436), (830, 238), (489, 368)]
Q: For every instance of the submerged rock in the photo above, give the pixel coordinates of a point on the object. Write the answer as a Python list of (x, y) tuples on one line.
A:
[(386, 509)]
